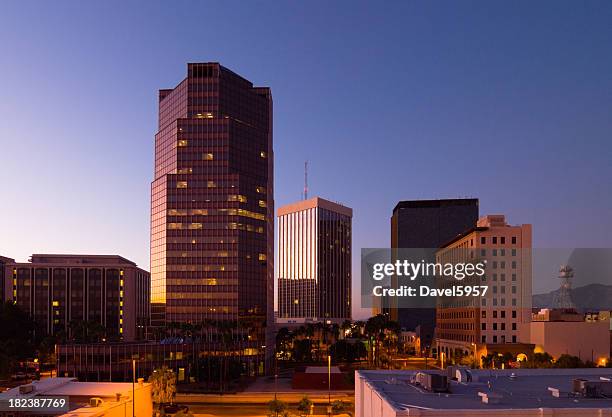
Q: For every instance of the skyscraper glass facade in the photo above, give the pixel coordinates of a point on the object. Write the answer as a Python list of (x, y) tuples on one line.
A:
[(212, 227), (314, 277)]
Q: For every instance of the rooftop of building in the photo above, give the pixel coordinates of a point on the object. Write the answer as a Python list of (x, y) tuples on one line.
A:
[(557, 314), (75, 259), (445, 202), (484, 223), (529, 389), (216, 65), (70, 387), (312, 203), (322, 370), (111, 394)]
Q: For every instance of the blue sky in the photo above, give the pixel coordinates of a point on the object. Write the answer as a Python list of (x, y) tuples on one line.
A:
[(510, 102)]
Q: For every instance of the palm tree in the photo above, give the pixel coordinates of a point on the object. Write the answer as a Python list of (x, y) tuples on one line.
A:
[(381, 331), (226, 329), (163, 385)]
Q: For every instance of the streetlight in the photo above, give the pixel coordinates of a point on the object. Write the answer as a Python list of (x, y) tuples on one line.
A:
[(275, 376), (329, 407), (133, 387)]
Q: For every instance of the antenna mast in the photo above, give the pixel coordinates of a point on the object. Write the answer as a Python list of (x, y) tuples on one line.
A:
[(305, 180)]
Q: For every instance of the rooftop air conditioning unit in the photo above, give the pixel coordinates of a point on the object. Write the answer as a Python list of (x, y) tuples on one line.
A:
[(432, 382), (593, 389), (26, 389), (95, 402)]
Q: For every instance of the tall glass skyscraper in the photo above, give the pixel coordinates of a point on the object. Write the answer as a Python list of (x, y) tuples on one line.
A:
[(212, 225), (314, 262)]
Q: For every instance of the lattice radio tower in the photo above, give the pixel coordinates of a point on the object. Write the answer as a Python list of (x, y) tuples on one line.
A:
[(563, 298)]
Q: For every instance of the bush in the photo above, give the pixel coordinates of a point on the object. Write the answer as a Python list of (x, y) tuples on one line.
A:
[(277, 407), (304, 405)]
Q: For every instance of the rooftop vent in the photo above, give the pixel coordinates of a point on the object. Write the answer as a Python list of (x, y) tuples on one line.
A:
[(95, 402), (490, 397), (592, 389), (26, 389), (432, 382)]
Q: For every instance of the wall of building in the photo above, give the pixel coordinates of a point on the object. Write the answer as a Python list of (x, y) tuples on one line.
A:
[(590, 341), (369, 403), (212, 208), (500, 316)]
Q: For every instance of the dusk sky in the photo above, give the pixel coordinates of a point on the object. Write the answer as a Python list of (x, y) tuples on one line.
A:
[(510, 102)]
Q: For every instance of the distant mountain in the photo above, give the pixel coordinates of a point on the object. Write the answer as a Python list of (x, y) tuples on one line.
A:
[(592, 297)]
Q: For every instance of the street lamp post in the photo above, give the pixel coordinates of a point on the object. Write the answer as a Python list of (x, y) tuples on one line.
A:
[(133, 387), (275, 377), (329, 407)]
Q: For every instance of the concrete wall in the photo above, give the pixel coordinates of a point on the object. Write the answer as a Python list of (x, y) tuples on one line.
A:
[(587, 340)]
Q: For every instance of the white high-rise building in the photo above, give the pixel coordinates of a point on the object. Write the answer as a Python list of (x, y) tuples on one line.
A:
[(314, 262)]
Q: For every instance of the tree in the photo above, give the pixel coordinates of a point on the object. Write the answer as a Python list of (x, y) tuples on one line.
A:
[(382, 332), (538, 360), (304, 405), (86, 331), (338, 407), (17, 341), (302, 350), (569, 361), (277, 407), (284, 339), (163, 385)]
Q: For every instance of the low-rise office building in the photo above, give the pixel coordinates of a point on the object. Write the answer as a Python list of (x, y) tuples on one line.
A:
[(64, 292), (480, 393), (83, 399), (113, 361), (559, 332)]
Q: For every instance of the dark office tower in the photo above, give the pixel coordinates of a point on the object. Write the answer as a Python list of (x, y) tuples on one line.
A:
[(212, 225), (428, 224), (3, 262)]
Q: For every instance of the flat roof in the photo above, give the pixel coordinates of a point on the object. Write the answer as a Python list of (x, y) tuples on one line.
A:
[(444, 202), (72, 388), (85, 259), (528, 390), (464, 234), (322, 370), (312, 203), (70, 259)]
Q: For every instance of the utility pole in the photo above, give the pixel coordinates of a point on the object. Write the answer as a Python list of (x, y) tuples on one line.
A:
[(305, 180)]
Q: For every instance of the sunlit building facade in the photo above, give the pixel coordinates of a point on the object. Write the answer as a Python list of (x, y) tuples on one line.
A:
[(314, 262), (212, 225), (63, 292), (474, 324)]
